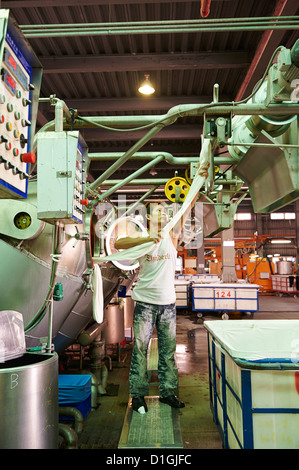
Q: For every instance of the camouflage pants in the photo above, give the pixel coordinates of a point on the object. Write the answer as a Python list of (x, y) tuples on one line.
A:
[(146, 316)]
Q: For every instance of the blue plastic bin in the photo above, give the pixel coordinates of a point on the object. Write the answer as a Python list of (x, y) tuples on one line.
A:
[(75, 391)]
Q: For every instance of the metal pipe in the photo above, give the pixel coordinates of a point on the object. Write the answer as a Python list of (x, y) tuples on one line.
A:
[(136, 204), (59, 116), (168, 157), (74, 413), (69, 435), (56, 245), (154, 27), (50, 325), (216, 93), (129, 178), (253, 144), (156, 181), (89, 335), (126, 156), (176, 112)]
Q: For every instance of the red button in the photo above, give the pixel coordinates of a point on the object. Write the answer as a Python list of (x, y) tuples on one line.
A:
[(84, 202), (28, 157)]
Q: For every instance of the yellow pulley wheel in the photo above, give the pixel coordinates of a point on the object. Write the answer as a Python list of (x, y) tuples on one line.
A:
[(176, 189)]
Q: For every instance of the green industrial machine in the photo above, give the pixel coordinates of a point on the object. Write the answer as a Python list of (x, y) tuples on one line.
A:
[(267, 146)]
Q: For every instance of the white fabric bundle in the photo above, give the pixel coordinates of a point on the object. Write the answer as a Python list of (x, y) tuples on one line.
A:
[(202, 172)]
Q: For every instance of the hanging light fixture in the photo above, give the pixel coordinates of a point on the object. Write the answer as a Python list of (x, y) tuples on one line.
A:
[(146, 88)]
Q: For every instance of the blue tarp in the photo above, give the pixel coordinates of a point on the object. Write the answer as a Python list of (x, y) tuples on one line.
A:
[(73, 388)]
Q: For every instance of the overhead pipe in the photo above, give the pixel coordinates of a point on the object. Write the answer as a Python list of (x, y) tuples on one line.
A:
[(136, 204), (127, 180), (115, 166), (157, 181), (161, 27), (168, 157), (174, 113)]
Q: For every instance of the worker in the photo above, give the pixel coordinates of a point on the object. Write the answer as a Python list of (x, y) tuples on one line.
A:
[(155, 299)]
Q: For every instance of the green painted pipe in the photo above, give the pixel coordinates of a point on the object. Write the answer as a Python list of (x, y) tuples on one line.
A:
[(176, 112), (129, 178), (140, 181), (136, 204), (168, 157), (154, 27), (126, 156), (158, 181)]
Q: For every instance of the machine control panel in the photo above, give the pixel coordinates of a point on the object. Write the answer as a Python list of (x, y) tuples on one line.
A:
[(16, 111), (62, 166)]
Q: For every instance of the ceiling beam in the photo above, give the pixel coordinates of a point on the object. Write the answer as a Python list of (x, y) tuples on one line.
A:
[(146, 62), (81, 3)]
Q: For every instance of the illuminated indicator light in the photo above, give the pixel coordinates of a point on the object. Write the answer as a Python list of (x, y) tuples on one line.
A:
[(18, 94), (17, 115), (28, 157), (9, 107), (8, 145), (2, 118), (15, 152), (11, 82), (16, 133), (12, 62), (9, 126)]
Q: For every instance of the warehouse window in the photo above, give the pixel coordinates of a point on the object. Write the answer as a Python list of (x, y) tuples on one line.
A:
[(243, 216), (283, 216)]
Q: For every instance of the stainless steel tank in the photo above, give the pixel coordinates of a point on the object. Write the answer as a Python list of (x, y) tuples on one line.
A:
[(29, 402), (129, 305), (285, 267), (115, 330)]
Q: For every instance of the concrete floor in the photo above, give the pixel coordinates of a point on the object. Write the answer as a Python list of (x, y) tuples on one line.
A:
[(102, 427)]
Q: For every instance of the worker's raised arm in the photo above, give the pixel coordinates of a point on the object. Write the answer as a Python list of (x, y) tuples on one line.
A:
[(135, 239)]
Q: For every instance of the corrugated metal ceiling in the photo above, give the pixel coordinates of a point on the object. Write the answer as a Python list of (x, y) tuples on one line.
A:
[(99, 75)]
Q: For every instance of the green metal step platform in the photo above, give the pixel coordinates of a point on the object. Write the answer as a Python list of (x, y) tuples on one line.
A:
[(159, 427)]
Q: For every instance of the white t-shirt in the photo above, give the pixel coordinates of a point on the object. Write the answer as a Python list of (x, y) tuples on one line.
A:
[(157, 274)]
